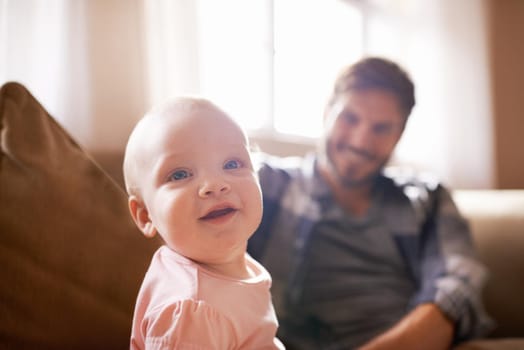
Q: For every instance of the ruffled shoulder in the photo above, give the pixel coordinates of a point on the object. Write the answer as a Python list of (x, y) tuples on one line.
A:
[(188, 324)]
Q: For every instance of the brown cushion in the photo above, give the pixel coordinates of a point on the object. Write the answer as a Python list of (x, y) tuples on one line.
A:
[(71, 259)]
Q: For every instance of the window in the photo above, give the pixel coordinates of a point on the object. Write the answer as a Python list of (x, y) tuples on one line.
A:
[(270, 64), (313, 40)]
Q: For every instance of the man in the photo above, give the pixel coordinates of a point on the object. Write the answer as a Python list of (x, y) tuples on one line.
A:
[(362, 257)]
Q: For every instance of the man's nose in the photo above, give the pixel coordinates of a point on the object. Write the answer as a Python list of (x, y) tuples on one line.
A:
[(213, 186), (361, 138)]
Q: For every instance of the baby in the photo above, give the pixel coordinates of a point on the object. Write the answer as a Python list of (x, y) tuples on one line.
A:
[(189, 176)]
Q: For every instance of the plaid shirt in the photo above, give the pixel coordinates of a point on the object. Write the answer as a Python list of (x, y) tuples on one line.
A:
[(430, 234)]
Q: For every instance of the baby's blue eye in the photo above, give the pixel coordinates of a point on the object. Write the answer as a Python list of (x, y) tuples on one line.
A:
[(232, 164), (179, 175)]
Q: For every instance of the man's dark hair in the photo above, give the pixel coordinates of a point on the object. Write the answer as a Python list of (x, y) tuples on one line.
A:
[(376, 73)]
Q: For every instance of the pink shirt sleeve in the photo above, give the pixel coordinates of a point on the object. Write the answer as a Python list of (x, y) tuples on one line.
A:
[(191, 325)]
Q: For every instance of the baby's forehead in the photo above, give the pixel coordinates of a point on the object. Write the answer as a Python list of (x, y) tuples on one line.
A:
[(200, 120), (183, 116), (185, 107), (189, 114)]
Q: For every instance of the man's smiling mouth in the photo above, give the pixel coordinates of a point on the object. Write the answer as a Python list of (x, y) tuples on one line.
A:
[(343, 147)]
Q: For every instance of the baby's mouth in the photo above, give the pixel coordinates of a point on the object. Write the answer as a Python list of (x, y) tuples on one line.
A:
[(217, 213)]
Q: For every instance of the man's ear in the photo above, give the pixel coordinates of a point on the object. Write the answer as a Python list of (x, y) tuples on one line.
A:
[(328, 117), (326, 110), (141, 216)]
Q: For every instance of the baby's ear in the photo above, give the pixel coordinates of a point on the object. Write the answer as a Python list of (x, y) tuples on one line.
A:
[(141, 216)]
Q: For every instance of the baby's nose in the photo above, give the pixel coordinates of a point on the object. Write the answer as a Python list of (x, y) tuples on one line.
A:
[(213, 187)]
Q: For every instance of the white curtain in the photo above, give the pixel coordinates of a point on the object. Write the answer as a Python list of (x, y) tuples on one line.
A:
[(172, 48), (84, 60), (34, 50)]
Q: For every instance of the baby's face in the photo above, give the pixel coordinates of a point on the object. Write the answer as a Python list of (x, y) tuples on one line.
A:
[(199, 186)]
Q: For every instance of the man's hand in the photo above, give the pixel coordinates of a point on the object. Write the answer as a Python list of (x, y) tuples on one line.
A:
[(426, 327)]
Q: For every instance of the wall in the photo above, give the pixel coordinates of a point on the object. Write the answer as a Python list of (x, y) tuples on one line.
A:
[(115, 64), (507, 69)]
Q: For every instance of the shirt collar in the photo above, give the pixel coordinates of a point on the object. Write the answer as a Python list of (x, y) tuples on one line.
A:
[(317, 187), (320, 191)]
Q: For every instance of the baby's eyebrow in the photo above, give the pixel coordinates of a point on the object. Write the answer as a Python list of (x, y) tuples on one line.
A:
[(163, 165)]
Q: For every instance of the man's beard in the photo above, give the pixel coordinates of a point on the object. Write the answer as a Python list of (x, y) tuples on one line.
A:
[(345, 178), (349, 182)]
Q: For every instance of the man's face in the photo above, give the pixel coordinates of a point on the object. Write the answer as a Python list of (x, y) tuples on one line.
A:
[(361, 131)]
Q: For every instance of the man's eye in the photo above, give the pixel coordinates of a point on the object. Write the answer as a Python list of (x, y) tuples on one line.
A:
[(232, 164), (179, 175), (382, 129), (350, 118)]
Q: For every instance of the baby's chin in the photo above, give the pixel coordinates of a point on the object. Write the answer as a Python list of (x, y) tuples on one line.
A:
[(221, 251)]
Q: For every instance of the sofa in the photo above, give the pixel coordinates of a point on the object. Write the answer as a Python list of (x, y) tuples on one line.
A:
[(72, 260)]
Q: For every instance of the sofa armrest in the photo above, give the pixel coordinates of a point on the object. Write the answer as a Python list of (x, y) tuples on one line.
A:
[(496, 218), (493, 344)]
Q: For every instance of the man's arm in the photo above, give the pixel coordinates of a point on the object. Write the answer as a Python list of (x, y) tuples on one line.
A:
[(452, 277), (447, 307), (424, 327)]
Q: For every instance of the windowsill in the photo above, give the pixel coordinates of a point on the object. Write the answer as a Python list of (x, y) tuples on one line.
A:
[(281, 144)]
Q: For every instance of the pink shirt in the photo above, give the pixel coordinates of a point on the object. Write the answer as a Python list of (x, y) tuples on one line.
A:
[(182, 305)]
